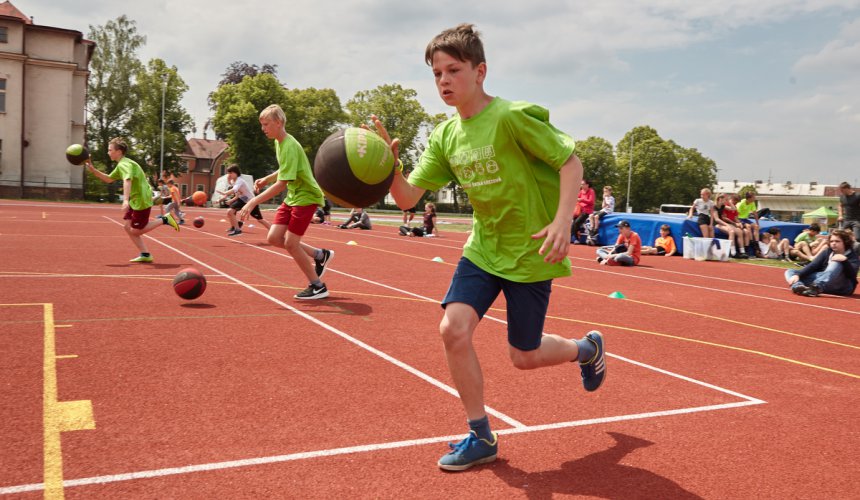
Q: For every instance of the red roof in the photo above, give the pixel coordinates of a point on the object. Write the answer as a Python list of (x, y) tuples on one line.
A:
[(7, 9), (205, 148)]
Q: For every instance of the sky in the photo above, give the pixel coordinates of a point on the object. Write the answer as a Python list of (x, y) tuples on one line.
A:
[(767, 89)]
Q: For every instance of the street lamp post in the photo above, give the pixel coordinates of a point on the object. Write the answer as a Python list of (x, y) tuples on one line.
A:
[(163, 98), (630, 173)]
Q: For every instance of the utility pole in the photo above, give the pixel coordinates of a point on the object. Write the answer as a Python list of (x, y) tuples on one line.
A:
[(630, 173), (164, 79)]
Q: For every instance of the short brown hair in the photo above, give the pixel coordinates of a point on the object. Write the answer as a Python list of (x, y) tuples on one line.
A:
[(847, 237), (234, 169), (120, 144), (844, 185), (462, 42)]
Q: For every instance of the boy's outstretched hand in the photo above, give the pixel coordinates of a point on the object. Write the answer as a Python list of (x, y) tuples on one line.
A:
[(556, 242), (394, 144)]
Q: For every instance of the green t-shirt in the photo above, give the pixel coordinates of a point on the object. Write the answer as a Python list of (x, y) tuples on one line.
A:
[(140, 197), (745, 209), (294, 167), (804, 236), (507, 159)]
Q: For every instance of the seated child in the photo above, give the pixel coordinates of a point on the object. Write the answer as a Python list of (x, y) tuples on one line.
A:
[(428, 230), (774, 247), (663, 245)]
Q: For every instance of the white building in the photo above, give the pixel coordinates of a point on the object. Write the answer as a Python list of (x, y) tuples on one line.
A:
[(43, 87), (787, 201)]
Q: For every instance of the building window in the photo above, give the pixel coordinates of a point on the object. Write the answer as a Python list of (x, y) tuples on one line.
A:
[(2, 95), (4, 34), (184, 190), (200, 187)]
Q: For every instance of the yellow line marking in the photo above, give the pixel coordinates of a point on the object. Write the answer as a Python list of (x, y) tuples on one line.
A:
[(718, 318), (712, 344), (44, 215), (62, 326), (67, 356), (57, 416)]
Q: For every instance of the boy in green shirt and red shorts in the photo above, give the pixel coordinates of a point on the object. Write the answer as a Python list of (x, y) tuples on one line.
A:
[(294, 215), (136, 194), (521, 177)]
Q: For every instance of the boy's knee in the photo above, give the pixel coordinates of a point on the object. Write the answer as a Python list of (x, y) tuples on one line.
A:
[(455, 334), (523, 360)]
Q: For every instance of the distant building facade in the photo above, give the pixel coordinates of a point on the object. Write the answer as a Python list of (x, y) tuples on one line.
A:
[(787, 201), (205, 161), (43, 88)]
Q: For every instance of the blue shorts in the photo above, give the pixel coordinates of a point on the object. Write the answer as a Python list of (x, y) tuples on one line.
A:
[(527, 302)]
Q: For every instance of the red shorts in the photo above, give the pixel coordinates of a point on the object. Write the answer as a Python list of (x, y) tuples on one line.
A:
[(139, 218), (297, 219)]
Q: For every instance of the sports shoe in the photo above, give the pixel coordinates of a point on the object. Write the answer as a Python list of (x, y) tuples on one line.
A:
[(812, 291), (320, 265), (799, 288), (171, 222), (594, 370), (313, 292), (470, 451), (234, 232), (142, 258)]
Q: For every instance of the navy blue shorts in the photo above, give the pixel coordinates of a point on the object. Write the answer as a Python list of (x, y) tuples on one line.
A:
[(527, 302)]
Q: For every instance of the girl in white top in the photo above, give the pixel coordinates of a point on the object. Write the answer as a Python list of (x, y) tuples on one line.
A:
[(705, 212)]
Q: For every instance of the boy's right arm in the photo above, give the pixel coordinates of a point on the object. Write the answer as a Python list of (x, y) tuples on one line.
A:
[(88, 164), (405, 195)]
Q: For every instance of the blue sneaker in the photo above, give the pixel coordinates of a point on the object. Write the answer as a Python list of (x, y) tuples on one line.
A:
[(594, 370), (470, 451)]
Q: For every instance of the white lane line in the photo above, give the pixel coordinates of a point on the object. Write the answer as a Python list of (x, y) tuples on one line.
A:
[(746, 295), (231, 464), (501, 321), (414, 371)]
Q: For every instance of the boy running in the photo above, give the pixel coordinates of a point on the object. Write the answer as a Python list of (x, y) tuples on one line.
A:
[(241, 192), (136, 197), (295, 214), (520, 174)]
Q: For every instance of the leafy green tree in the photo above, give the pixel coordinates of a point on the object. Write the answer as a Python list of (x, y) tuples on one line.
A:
[(663, 171), (153, 83), (743, 191), (313, 115), (111, 98), (237, 71), (598, 161), (237, 110)]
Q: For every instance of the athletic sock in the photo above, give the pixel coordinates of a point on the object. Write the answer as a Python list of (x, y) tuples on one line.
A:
[(587, 350), (482, 428), (144, 254), (317, 283), (163, 219), (318, 254), (240, 224)]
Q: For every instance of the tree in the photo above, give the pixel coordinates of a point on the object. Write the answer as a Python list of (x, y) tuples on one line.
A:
[(743, 191), (111, 99), (663, 171), (313, 114), (237, 71), (401, 114), (598, 161), (237, 110), (153, 83)]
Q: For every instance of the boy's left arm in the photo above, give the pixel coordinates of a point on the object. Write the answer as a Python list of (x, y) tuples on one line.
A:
[(557, 233)]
